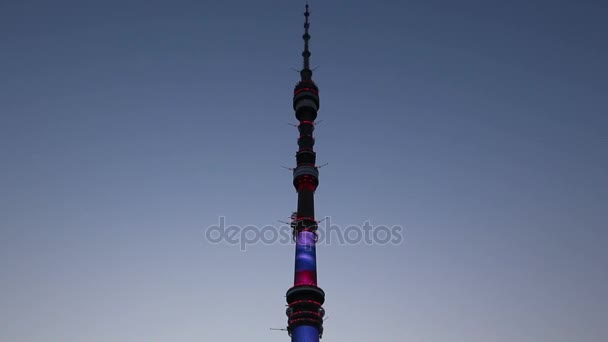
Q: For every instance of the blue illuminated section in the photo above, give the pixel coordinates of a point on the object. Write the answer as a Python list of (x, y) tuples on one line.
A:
[(305, 333), (306, 259)]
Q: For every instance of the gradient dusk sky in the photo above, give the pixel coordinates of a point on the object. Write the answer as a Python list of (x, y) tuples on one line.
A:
[(129, 127)]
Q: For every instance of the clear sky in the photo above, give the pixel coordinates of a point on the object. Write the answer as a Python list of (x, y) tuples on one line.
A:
[(128, 127)]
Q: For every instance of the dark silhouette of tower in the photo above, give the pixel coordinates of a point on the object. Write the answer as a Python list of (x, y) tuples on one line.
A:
[(305, 298)]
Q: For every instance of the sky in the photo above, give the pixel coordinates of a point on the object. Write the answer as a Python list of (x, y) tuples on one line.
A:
[(127, 128)]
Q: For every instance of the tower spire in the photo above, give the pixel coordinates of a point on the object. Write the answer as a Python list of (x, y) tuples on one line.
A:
[(306, 73)]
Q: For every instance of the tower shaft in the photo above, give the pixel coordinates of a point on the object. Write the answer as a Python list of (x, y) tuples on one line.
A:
[(305, 298)]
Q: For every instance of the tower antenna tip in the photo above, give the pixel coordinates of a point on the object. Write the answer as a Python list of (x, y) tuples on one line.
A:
[(306, 53)]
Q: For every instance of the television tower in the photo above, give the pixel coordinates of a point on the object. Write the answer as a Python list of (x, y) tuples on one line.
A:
[(305, 298)]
